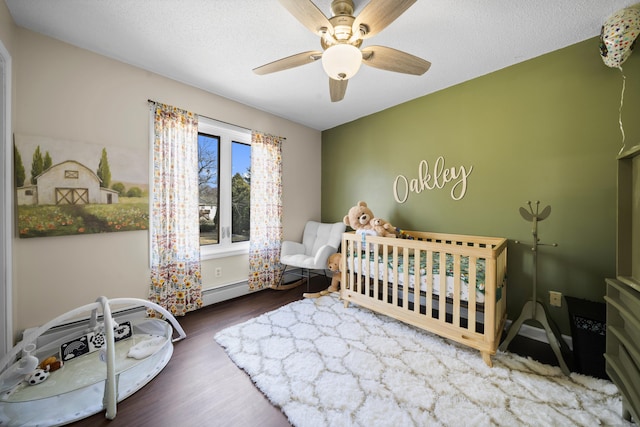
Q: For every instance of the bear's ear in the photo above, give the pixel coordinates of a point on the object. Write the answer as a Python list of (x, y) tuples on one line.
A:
[(363, 204)]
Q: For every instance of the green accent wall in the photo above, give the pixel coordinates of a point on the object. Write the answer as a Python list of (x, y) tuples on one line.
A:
[(546, 129)]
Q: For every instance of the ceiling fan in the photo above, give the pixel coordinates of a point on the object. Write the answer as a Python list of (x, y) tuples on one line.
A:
[(341, 37)]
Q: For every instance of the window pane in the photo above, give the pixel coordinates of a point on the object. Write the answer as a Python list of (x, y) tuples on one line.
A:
[(208, 168), (240, 191)]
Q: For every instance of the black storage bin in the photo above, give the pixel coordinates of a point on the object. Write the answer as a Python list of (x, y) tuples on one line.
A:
[(588, 332)]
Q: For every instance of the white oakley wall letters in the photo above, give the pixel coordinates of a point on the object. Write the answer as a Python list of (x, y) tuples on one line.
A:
[(435, 180)]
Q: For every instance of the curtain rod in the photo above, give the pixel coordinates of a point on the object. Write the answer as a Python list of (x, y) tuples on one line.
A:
[(217, 120)]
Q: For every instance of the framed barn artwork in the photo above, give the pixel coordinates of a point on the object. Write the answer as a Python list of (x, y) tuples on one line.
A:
[(75, 188)]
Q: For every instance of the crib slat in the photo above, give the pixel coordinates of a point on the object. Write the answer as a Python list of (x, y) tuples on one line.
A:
[(361, 269), (405, 277), (356, 259), (456, 290), (471, 284), (417, 278), (372, 267), (442, 301), (429, 290), (385, 272), (344, 265), (346, 259), (394, 279)]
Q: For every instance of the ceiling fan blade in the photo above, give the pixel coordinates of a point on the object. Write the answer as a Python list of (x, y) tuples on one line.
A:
[(337, 89), (308, 14), (289, 62), (378, 14), (390, 59)]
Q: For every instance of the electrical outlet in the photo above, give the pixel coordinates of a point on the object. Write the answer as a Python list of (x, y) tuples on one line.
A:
[(219, 272), (555, 298)]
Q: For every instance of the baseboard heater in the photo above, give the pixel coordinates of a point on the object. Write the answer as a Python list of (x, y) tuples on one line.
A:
[(225, 292), (235, 290)]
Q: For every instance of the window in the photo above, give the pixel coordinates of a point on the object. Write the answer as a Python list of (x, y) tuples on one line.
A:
[(224, 177)]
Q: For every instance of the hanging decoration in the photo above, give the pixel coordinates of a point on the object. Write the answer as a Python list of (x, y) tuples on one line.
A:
[(618, 36), (617, 39)]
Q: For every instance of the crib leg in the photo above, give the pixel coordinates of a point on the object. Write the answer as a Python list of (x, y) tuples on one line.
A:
[(346, 304), (486, 356)]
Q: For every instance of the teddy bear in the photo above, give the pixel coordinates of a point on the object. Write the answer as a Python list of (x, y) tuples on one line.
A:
[(333, 264), (382, 227), (50, 364), (359, 217), (363, 221)]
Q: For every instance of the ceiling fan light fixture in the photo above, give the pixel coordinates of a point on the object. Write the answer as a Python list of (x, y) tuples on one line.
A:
[(341, 61)]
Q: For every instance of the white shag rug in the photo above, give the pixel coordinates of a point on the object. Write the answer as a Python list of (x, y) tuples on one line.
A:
[(327, 365)]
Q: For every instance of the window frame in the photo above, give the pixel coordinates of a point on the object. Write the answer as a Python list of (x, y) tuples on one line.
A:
[(228, 134)]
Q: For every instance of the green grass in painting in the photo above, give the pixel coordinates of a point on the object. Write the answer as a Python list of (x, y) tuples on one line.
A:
[(63, 220)]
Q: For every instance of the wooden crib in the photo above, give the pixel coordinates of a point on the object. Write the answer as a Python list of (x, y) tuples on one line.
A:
[(467, 304)]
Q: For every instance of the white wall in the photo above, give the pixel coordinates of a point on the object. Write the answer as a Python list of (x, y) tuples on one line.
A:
[(7, 27), (67, 93)]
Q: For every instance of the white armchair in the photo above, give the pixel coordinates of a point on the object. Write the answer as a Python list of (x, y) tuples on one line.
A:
[(319, 241)]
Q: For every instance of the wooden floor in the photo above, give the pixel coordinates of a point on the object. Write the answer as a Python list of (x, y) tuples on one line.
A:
[(202, 387)]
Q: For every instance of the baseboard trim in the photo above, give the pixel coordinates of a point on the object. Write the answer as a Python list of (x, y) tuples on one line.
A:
[(538, 334)]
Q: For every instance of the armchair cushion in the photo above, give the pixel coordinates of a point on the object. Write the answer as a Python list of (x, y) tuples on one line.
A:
[(319, 241), (291, 248)]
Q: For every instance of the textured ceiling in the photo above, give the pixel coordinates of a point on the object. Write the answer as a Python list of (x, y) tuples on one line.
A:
[(214, 45)]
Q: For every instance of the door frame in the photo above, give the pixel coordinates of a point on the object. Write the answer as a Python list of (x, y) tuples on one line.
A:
[(6, 204)]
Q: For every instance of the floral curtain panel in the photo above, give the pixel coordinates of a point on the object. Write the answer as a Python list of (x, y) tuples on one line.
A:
[(175, 246), (266, 211)]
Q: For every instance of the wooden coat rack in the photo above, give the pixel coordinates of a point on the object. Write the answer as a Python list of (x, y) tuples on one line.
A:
[(533, 309)]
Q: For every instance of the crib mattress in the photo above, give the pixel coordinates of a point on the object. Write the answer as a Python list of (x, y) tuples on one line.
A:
[(376, 262)]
